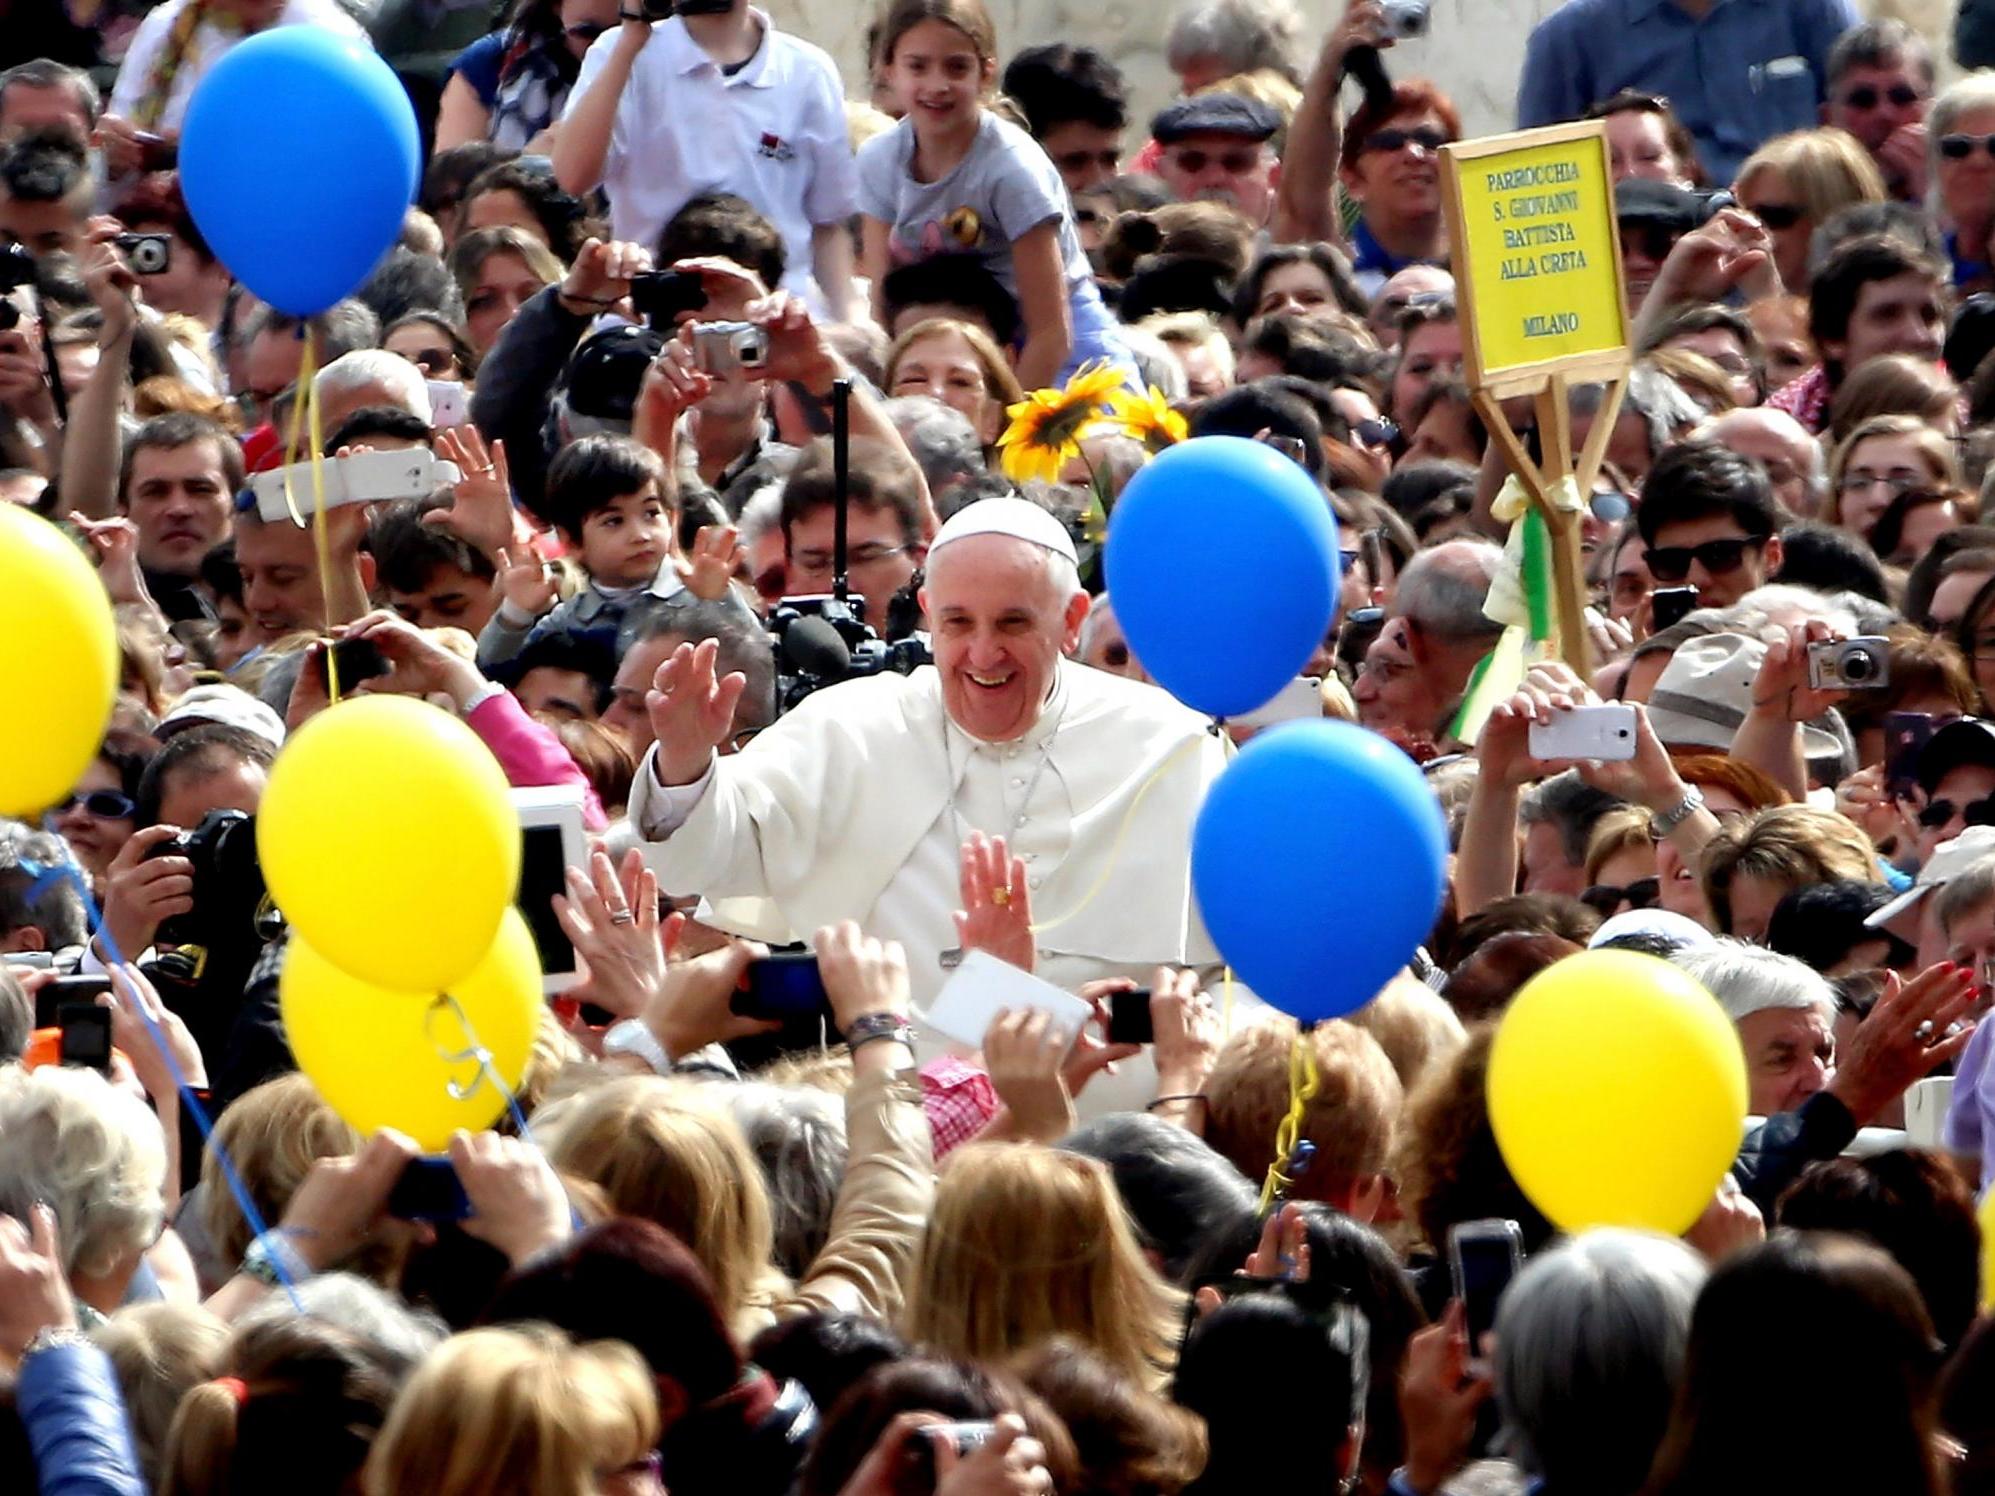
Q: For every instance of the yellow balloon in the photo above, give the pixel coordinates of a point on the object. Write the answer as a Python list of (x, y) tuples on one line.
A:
[(58, 662), (388, 841), (1617, 1090), (390, 1059)]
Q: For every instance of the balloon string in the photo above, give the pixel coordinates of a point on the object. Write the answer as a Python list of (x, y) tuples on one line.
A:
[(188, 1097), (1302, 1082), (471, 1051), (305, 428), (1121, 835)]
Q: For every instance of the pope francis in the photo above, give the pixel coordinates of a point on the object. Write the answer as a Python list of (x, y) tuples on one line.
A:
[(856, 804)]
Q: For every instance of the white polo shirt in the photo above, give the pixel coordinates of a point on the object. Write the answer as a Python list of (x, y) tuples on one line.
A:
[(211, 42), (772, 133)]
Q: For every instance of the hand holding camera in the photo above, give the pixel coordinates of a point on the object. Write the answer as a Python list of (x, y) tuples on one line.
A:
[(113, 287), (144, 889), (602, 272), (1808, 669)]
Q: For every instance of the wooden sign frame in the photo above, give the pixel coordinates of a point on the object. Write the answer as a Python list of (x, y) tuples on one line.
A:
[(1548, 382)]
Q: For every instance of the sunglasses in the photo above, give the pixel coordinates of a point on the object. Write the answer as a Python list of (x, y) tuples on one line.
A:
[(1671, 563), (1902, 95), (1939, 812), (104, 805), (1776, 216), (586, 31), (1376, 433), (1607, 899), (1611, 508), (1654, 240), (1426, 137), (1960, 147), (435, 362)]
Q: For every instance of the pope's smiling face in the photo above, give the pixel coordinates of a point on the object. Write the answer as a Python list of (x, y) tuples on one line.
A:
[(1001, 616)]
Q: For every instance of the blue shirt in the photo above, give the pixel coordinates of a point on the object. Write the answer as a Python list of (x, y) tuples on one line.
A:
[(1372, 264), (1746, 72), (479, 63)]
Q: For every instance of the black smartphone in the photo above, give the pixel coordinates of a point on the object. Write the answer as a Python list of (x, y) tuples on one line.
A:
[(54, 996), (429, 1190), (1129, 1017), (659, 296), (784, 985), (1669, 606), (354, 660), (1483, 1256), (86, 1035), (1905, 737)]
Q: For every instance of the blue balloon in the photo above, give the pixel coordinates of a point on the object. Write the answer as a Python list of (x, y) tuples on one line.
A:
[(1222, 566), (1319, 860), (299, 158)]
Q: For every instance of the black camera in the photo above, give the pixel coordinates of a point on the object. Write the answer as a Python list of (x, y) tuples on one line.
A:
[(229, 896), (659, 296), (17, 269), (821, 640)]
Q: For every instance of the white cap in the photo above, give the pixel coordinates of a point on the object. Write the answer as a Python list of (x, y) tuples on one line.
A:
[(1686, 932), (226, 706), (1949, 861), (1019, 518)]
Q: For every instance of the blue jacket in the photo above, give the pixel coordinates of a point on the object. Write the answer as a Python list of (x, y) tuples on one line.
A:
[(69, 1403)]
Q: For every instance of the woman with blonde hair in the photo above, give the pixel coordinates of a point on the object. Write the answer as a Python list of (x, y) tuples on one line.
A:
[(1750, 865), (498, 270), (1880, 459), (521, 1412), (1026, 1243), (1795, 183), (274, 1133), (960, 366), (1896, 384)]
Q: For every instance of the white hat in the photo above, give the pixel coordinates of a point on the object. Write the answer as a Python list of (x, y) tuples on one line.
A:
[(1949, 861), (1706, 690), (1685, 932), (1019, 518), (225, 706)]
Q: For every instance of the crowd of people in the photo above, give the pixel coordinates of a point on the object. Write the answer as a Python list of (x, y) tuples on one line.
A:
[(659, 254)]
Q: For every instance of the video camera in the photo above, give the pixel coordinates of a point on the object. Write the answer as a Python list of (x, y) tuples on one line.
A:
[(824, 638)]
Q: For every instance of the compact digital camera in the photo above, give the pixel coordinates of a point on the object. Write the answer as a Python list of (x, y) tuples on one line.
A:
[(1404, 18), (1861, 664), (726, 347), (147, 254)]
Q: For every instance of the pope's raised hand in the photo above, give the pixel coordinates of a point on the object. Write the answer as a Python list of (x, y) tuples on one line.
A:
[(692, 712)]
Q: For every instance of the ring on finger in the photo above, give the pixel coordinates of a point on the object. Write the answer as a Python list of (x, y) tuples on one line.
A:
[(622, 917)]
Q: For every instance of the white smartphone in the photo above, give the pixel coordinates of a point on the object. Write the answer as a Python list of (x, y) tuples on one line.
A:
[(369, 478), (1603, 733), (552, 840), (983, 986), (447, 407), (1483, 1256), (1299, 700)]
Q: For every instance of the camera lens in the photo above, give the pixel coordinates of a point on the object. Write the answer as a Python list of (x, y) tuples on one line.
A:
[(1859, 664)]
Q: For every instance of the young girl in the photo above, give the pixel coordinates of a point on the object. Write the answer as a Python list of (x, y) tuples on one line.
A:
[(953, 178)]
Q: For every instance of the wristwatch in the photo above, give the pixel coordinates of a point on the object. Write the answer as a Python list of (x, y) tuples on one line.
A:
[(52, 1337), (630, 1036), (866, 1029), (271, 1260), (1661, 824)]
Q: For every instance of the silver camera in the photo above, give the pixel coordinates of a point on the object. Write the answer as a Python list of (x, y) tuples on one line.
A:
[(147, 254), (725, 347), (1405, 18), (1862, 664)]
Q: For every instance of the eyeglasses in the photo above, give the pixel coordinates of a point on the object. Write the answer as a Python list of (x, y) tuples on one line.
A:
[(1960, 147), (1237, 163), (1607, 899), (859, 555), (1777, 216), (586, 31), (104, 805), (1902, 96), (1426, 137), (1864, 482), (1654, 240), (1081, 160), (1671, 563)]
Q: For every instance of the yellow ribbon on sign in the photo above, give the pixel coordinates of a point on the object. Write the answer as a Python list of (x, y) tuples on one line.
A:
[(1511, 590)]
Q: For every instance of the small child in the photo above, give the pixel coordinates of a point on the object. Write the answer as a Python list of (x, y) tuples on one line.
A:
[(607, 497)]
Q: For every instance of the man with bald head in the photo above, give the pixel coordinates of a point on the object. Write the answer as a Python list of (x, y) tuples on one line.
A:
[(1792, 458), (855, 804), (1417, 668)]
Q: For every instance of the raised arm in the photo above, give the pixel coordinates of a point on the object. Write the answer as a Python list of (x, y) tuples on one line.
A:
[(1306, 202), (582, 146), (91, 445)]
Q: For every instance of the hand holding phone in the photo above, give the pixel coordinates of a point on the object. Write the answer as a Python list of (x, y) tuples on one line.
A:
[(1483, 1256), (783, 985), (429, 1190), (1129, 1019), (1605, 734), (86, 1036)]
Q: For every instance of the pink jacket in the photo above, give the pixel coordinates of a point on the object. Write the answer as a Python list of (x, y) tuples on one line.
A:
[(530, 753)]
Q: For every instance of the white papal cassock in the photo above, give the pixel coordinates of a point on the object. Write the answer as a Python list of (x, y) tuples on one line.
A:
[(843, 810)]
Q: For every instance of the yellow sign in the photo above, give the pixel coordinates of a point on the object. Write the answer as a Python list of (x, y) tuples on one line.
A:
[(1536, 252)]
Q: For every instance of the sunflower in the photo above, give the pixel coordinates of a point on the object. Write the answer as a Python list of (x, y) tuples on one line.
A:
[(1046, 426), (1148, 418)]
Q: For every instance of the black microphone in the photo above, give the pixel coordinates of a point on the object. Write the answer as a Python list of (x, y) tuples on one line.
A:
[(812, 647)]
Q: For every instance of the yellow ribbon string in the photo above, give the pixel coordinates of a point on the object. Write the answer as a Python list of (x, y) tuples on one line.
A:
[(1302, 1082)]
